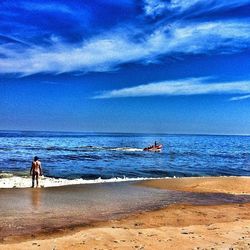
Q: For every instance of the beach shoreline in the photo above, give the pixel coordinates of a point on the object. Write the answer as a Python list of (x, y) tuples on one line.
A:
[(205, 226)]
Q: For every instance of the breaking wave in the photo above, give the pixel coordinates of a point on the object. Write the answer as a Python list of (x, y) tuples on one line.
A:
[(10, 181)]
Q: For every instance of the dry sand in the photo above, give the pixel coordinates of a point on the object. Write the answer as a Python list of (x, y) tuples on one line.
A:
[(231, 185), (178, 226)]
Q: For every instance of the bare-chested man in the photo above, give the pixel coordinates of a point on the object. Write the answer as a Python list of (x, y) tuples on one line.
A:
[(35, 170)]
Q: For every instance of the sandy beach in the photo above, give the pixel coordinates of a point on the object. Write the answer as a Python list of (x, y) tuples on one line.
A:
[(175, 226), (230, 185)]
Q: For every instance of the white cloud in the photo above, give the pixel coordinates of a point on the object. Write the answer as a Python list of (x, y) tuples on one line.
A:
[(156, 7), (107, 51), (238, 98), (191, 86)]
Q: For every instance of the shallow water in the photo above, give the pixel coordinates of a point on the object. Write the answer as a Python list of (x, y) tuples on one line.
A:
[(90, 156), (30, 211)]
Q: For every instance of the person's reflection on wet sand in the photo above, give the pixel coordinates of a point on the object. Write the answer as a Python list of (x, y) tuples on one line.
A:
[(36, 199)]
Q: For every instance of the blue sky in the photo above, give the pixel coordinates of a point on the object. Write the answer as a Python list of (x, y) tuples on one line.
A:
[(125, 66)]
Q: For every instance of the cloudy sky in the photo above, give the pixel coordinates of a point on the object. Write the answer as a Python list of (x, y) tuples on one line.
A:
[(157, 66)]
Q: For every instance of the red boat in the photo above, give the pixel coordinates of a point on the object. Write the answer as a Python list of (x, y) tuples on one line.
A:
[(154, 148)]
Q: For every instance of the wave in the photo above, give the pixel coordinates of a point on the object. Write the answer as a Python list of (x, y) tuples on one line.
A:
[(127, 149), (11, 181), (93, 148)]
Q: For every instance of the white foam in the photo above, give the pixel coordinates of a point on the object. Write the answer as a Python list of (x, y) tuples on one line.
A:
[(128, 149), (24, 182)]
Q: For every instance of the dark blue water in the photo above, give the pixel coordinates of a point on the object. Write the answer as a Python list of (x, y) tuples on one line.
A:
[(89, 156)]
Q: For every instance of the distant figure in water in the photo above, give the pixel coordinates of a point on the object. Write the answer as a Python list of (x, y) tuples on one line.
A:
[(155, 143), (35, 170)]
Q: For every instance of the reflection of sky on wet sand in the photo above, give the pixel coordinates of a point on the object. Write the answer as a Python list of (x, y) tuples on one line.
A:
[(29, 211)]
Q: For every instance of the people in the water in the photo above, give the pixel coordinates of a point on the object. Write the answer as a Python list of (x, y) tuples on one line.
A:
[(154, 146), (35, 171)]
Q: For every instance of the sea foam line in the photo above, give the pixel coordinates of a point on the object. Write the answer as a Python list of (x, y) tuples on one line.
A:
[(25, 182)]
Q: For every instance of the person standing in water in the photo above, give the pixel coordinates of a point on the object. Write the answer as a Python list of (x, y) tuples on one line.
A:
[(35, 170)]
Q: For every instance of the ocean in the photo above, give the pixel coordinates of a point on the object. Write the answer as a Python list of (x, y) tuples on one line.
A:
[(91, 156)]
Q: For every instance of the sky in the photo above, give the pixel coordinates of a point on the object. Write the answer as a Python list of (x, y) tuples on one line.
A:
[(145, 66)]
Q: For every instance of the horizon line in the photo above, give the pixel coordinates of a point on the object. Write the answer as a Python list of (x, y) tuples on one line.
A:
[(139, 133)]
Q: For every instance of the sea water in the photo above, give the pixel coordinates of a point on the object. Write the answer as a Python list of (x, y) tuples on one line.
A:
[(108, 156)]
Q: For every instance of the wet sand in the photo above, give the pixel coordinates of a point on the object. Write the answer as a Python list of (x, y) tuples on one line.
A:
[(187, 224)]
